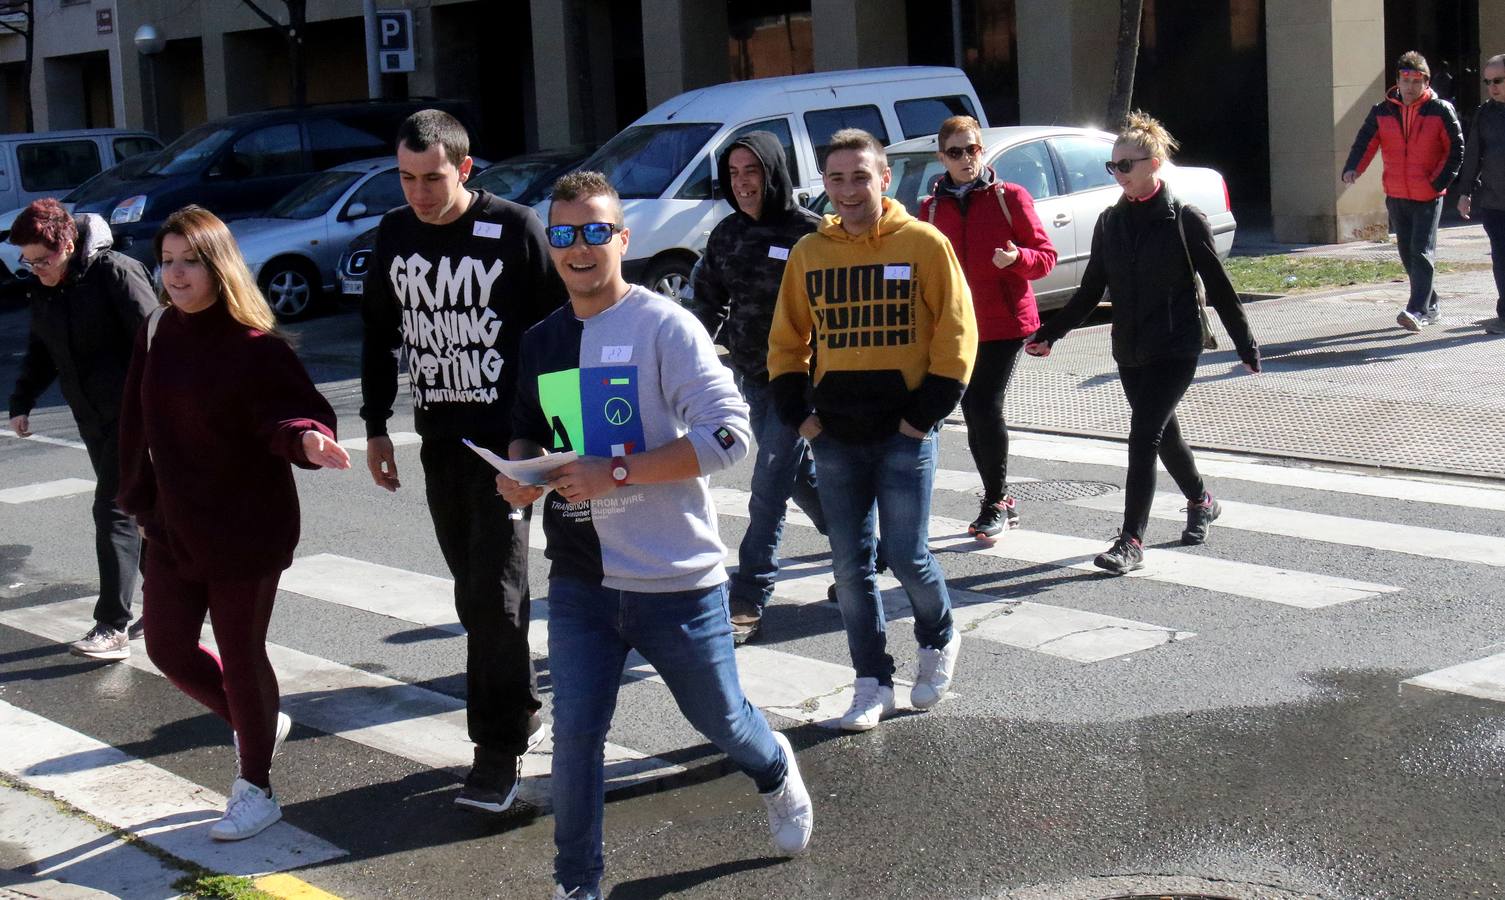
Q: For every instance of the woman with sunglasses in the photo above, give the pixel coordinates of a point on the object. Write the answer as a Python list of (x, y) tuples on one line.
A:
[(1002, 247), (1147, 250), (87, 303), (217, 410)]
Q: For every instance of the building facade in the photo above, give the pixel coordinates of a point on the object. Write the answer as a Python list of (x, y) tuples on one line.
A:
[(1270, 92)]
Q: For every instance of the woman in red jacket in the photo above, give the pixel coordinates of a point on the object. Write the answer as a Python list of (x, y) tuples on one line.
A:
[(1002, 247), (215, 412)]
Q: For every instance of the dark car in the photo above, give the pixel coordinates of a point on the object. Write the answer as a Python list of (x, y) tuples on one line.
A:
[(240, 165), (524, 179)]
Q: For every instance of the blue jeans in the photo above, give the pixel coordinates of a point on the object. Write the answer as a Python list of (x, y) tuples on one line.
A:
[(1494, 227), (1415, 225), (784, 468), (861, 484), (687, 637)]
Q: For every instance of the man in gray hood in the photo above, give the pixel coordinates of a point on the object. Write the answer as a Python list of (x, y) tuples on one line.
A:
[(735, 287)]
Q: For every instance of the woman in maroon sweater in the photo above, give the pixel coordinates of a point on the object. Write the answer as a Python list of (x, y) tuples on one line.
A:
[(1002, 247), (216, 408)]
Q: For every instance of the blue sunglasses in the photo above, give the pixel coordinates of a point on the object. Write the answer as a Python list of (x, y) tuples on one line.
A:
[(595, 234)]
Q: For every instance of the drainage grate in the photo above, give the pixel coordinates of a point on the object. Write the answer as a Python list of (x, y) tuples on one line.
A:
[(1060, 491)]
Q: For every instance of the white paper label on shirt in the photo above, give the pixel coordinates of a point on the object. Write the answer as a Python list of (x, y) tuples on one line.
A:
[(778, 252), (896, 273), (488, 229), (616, 354)]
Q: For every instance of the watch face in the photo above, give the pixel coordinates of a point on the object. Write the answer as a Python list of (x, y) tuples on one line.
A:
[(619, 473)]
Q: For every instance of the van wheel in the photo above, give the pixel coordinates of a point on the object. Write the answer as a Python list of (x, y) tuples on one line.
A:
[(291, 287), (670, 276)]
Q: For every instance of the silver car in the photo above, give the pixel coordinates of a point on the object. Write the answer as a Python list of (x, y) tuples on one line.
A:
[(293, 249)]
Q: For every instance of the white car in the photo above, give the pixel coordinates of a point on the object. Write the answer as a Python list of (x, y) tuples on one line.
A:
[(1063, 170), (293, 249)]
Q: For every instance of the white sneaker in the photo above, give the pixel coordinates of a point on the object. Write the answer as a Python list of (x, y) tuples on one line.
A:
[(935, 671), (250, 811), (284, 725), (577, 894), (790, 816), (871, 701)]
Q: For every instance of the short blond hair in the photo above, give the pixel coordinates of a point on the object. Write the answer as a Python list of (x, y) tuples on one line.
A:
[(1142, 130)]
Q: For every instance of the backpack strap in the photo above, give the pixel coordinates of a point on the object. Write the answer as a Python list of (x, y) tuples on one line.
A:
[(930, 210), (151, 325), (1003, 205)]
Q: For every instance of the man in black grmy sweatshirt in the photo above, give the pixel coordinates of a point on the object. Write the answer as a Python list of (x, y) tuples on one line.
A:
[(457, 277)]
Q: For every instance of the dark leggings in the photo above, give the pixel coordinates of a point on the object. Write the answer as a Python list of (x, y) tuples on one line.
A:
[(238, 685), (1153, 393), (982, 409)]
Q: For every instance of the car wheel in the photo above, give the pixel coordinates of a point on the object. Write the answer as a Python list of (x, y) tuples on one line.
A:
[(670, 276), (291, 288)]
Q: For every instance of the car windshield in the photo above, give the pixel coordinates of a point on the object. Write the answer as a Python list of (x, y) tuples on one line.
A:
[(644, 160), (510, 179), (192, 150), (314, 197)]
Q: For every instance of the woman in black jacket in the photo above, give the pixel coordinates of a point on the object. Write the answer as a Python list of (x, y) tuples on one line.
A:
[(87, 303), (1144, 250)]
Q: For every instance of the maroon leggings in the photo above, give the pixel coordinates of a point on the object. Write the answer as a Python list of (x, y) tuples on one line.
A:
[(238, 685)]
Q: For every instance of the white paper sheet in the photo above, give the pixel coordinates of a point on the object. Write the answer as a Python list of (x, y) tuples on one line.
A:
[(525, 471)]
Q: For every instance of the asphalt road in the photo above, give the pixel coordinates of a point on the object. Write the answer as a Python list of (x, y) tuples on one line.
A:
[(1258, 744)]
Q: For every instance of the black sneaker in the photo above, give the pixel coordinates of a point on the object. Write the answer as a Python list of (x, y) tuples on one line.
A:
[(1123, 557), (491, 785), (1495, 325), (747, 619), (995, 517), (1198, 517)]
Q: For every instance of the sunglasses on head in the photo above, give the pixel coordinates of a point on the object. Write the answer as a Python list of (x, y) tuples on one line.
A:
[(959, 152), (595, 234), (1493, 81), (1123, 165)]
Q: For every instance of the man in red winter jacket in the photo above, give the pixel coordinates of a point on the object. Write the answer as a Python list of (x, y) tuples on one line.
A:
[(1420, 141)]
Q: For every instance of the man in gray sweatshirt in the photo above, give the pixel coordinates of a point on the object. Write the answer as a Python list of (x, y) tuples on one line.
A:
[(630, 382)]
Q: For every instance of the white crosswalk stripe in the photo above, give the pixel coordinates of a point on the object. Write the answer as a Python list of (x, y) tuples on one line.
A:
[(1482, 678), (47, 490)]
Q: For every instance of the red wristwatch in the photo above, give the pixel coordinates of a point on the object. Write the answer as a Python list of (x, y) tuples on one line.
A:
[(619, 470)]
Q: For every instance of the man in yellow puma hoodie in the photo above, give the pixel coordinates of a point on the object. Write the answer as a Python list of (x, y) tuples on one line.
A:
[(882, 301)]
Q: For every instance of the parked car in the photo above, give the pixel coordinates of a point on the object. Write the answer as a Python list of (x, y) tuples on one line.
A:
[(524, 179), (240, 165), (52, 163), (1063, 170), (663, 164), (294, 248)]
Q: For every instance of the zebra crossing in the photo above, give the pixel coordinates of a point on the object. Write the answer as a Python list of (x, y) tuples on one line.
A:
[(427, 727)]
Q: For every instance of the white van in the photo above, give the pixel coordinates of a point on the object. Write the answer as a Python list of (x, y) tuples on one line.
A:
[(663, 164), (52, 163)]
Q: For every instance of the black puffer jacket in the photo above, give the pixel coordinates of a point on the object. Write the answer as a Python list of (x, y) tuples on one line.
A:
[(1138, 258), (82, 331), (1483, 177), (736, 283)]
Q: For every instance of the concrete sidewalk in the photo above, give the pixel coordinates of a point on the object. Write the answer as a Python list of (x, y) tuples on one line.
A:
[(1342, 381)]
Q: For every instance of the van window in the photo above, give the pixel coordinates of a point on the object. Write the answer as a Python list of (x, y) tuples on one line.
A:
[(1029, 166), (923, 117), (698, 187), (56, 165), (189, 152), (332, 143), (274, 150), (127, 147), (642, 161), (1083, 159), (822, 123)]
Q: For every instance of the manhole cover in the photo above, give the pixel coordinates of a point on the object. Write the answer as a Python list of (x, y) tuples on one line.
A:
[(1060, 490)]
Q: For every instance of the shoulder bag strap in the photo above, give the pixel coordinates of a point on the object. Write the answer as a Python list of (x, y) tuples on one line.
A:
[(151, 325)]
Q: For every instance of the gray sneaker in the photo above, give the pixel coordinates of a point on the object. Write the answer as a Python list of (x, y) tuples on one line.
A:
[(1408, 320), (1431, 317), (1495, 326), (102, 642)]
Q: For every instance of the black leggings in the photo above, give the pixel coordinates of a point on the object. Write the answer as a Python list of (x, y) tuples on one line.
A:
[(982, 409), (1153, 393)]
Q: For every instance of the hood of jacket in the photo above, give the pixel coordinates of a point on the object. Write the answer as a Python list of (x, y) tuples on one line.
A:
[(893, 218), (778, 187), (94, 238)]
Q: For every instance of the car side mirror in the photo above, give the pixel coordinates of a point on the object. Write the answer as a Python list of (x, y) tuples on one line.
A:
[(355, 211)]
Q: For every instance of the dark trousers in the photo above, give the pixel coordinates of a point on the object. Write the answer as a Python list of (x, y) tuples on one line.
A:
[(487, 553), (982, 408), (238, 685), (1153, 393), (1415, 225), (1494, 227), (117, 543)]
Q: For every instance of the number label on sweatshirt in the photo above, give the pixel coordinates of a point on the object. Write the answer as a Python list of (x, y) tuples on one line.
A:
[(488, 230), (778, 252), (896, 273)]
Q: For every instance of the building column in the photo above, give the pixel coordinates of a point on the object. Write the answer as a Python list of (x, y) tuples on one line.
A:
[(1491, 31), (1326, 65), (686, 47), (858, 34), (559, 119), (423, 81), (216, 80), (1066, 54)]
